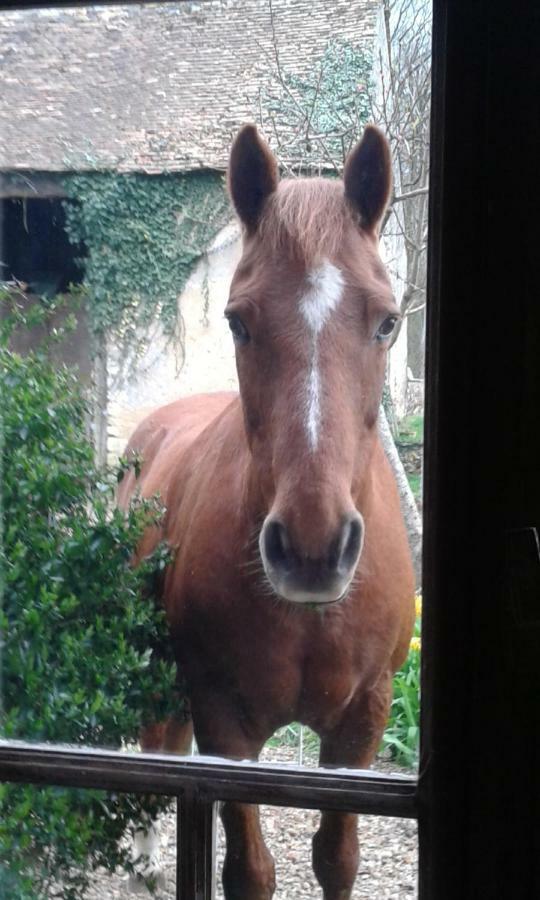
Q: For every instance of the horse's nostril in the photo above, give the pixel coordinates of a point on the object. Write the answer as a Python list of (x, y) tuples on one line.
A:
[(350, 544), (317, 572), (277, 547)]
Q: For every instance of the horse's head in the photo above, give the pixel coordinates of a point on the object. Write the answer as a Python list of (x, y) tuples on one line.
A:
[(311, 311)]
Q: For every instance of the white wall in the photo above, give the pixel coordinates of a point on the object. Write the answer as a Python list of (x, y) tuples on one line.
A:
[(209, 363)]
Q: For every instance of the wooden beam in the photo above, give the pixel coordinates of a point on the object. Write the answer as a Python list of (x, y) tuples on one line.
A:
[(345, 790), (30, 185)]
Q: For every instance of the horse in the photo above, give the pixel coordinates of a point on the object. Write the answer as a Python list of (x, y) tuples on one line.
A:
[(291, 593)]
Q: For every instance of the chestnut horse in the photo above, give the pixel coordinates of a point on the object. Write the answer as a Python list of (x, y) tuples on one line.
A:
[(290, 597)]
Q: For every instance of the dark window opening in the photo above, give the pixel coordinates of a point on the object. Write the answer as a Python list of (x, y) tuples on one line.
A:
[(35, 246), (35, 251)]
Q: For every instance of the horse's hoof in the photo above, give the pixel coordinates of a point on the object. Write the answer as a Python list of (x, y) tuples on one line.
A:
[(150, 884)]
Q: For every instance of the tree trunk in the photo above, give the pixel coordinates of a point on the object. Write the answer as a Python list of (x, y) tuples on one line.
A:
[(413, 520), (100, 424)]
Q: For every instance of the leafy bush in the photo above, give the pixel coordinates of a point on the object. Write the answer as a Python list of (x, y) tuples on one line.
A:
[(402, 733), (79, 628)]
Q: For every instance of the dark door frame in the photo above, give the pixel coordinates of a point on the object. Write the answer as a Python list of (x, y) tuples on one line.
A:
[(479, 784), (478, 791)]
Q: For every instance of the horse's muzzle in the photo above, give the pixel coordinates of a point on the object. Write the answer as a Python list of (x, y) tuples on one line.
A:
[(300, 578)]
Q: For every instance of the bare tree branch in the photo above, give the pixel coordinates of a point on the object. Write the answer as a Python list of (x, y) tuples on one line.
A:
[(408, 195)]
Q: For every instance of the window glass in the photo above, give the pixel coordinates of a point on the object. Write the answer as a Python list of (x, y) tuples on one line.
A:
[(249, 564)]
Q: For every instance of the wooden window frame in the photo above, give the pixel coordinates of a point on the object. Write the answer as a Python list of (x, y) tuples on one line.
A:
[(199, 784), (476, 799)]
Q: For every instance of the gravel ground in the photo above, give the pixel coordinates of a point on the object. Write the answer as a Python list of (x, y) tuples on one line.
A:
[(388, 864)]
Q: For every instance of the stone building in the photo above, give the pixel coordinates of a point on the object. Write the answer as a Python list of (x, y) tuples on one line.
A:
[(150, 89)]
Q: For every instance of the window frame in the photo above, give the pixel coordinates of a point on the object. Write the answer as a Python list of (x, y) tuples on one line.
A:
[(199, 784), (479, 778), (456, 821)]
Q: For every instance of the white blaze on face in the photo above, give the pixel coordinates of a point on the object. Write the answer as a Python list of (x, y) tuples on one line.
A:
[(323, 294)]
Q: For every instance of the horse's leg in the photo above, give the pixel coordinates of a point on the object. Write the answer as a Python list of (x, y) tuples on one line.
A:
[(146, 851), (178, 737), (248, 868), (171, 736), (353, 743)]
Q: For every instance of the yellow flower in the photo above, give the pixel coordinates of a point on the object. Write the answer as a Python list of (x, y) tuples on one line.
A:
[(415, 643), (418, 604)]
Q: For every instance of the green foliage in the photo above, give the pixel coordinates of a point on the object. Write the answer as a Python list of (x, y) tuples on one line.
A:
[(402, 733), (79, 626), (143, 234), (411, 430), (319, 115), (294, 735), (409, 443), (415, 484)]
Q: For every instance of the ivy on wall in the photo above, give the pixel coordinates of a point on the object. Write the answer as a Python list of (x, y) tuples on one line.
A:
[(143, 234)]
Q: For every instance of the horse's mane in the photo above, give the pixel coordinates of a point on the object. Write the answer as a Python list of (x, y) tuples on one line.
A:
[(305, 217)]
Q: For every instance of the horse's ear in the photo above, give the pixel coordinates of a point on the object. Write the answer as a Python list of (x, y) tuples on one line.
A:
[(368, 178), (253, 175)]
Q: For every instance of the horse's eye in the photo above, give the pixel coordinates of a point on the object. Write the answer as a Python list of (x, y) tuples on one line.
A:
[(386, 328), (238, 329)]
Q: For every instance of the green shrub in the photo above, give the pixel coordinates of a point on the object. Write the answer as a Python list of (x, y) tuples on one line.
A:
[(79, 628), (402, 733)]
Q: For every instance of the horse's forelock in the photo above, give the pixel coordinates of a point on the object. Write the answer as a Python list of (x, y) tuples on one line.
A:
[(305, 218)]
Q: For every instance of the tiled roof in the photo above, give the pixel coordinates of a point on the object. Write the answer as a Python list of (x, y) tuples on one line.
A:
[(153, 87)]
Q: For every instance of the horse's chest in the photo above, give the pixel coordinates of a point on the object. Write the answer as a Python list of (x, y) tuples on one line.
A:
[(331, 677), (275, 665)]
